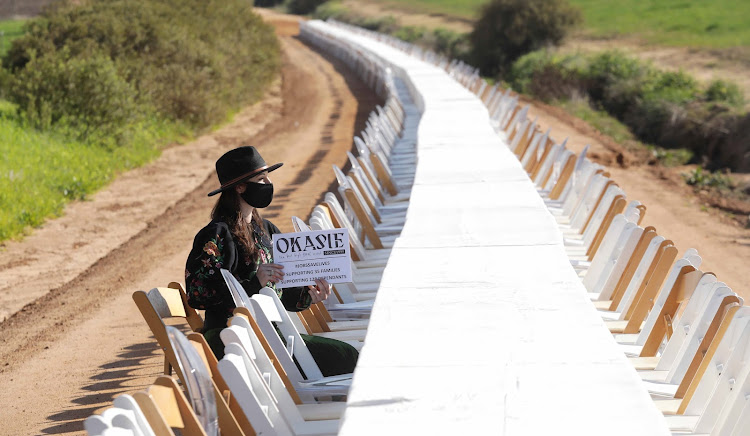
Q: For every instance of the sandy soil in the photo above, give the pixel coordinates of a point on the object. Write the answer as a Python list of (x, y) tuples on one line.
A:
[(81, 341)]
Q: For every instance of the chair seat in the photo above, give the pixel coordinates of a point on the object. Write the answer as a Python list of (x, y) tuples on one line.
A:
[(682, 423)]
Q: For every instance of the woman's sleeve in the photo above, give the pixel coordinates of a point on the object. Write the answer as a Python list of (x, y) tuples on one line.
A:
[(294, 299), (212, 250)]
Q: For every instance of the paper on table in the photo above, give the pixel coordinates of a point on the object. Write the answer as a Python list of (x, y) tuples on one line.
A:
[(307, 256)]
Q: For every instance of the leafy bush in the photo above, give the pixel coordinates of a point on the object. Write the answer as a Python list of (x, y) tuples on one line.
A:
[(410, 33), (188, 70), (303, 7), (109, 82), (701, 178), (668, 109), (333, 10), (729, 93), (84, 93), (508, 29)]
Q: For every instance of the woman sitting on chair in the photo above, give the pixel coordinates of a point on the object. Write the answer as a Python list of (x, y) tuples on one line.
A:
[(239, 240)]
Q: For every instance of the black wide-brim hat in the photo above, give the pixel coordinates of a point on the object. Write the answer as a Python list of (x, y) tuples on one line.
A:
[(238, 165)]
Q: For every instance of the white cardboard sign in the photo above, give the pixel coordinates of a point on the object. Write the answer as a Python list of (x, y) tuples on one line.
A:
[(307, 256)]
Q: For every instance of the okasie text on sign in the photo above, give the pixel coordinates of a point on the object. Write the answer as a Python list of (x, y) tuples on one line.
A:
[(307, 256)]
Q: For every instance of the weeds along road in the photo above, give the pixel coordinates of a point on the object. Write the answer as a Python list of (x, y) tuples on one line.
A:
[(83, 341)]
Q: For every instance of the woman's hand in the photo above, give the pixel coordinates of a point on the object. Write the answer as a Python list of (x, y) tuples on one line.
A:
[(269, 272), (320, 291)]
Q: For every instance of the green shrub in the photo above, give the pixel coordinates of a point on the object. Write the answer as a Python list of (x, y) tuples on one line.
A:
[(701, 178), (109, 82), (332, 9), (83, 93), (668, 109), (190, 70), (721, 91), (508, 29), (410, 33), (452, 44), (303, 7)]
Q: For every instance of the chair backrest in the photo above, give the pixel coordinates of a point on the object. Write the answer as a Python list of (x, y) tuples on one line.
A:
[(704, 331), (357, 228), (269, 378), (660, 280), (197, 381), (252, 395), (621, 256), (125, 418), (687, 322), (664, 304), (699, 394), (299, 225), (529, 156), (612, 236), (239, 296), (127, 402), (274, 310), (165, 407), (159, 304), (646, 265), (368, 179), (600, 212), (721, 412), (589, 200)]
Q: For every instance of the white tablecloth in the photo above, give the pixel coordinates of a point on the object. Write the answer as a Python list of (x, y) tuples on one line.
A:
[(480, 325)]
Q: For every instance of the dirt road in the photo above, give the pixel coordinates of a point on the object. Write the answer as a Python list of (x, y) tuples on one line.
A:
[(82, 341)]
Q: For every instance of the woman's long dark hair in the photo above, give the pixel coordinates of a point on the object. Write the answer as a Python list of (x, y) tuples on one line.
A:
[(227, 209)]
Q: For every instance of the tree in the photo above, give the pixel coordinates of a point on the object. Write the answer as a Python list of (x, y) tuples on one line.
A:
[(508, 29)]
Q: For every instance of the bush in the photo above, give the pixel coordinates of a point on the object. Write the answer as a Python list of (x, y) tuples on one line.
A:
[(187, 70), (700, 178), (303, 7), (668, 109), (84, 93), (508, 29), (721, 91)]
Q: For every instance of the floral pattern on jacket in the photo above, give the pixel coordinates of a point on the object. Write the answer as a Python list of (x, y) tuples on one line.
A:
[(214, 248)]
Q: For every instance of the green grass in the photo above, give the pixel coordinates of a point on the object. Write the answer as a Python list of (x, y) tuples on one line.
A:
[(696, 23), (41, 171), (464, 9), (9, 30), (600, 120), (687, 23)]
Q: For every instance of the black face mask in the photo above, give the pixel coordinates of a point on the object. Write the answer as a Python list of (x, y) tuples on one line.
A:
[(258, 194)]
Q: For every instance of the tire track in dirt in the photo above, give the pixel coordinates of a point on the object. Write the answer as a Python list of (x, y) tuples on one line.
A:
[(70, 352)]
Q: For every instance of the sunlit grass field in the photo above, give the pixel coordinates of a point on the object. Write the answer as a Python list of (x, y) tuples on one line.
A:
[(692, 23), (40, 172)]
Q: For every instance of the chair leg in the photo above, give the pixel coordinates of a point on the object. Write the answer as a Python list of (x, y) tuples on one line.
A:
[(167, 366)]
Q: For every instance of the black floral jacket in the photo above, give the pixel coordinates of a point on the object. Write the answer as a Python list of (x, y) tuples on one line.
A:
[(214, 248)]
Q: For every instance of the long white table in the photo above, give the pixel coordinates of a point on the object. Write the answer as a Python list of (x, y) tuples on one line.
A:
[(480, 325)]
